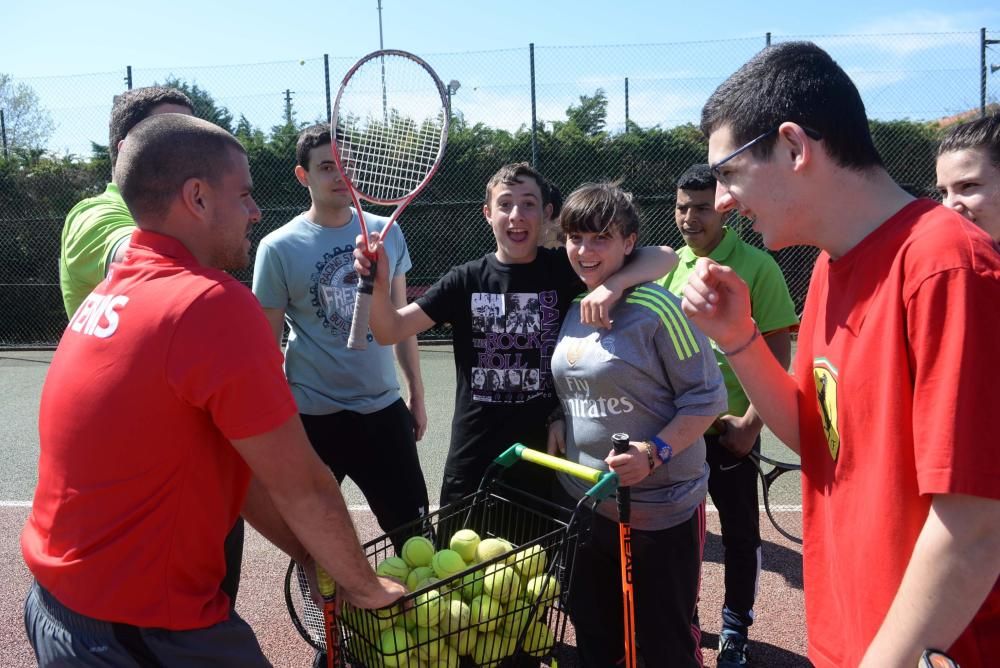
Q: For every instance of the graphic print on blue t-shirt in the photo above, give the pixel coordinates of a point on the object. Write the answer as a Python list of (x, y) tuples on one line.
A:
[(514, 335), (333, 288)]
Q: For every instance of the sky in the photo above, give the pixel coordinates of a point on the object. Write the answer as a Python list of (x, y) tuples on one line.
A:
[(74, 54)]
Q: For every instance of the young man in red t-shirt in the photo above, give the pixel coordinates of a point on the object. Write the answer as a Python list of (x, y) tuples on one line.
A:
[(894, 377), (164, 416)]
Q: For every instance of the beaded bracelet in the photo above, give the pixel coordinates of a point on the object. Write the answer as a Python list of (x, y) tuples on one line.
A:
[(663, 449), (649, 454)]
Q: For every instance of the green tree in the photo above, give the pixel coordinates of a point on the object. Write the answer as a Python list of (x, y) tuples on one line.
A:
[(589, 117), (27, 124), (205, 105)]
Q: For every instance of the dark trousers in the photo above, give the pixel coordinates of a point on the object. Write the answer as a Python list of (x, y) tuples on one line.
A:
[(62, 637), (378, 452), (666, 572), (732, 484)]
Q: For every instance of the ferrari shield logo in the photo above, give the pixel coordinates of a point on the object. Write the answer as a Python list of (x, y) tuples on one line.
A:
[(825, 377)]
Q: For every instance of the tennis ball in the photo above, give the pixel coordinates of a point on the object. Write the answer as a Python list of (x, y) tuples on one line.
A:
[(465, 543), (302, 62), (485, 613), (429, 642), (447, 563), (472, 585), (428, 608), (538, 640), (529, 562), (455, 617), (464, 642), (501, 582), (446, 658), (543, 587), (395, 647), (491, 649), (418, 551), (490, 548), (417, 576), (518, 616), (393, 567)]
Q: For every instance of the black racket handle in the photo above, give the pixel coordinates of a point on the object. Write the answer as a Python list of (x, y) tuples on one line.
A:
[(620, 442)]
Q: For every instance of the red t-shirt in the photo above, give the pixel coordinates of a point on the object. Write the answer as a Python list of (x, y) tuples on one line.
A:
[(138, 484), (896, 364)]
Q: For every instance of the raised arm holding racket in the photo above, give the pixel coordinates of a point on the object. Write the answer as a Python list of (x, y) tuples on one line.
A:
[(390, 129)]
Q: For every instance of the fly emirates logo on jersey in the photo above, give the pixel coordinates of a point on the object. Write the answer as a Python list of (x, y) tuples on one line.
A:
[(98, 315), (580, 404)]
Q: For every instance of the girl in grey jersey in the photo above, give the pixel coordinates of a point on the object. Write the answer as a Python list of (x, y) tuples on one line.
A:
[(654, 377)]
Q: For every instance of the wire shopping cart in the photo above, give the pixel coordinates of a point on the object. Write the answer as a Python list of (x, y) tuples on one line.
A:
[(449, 621)]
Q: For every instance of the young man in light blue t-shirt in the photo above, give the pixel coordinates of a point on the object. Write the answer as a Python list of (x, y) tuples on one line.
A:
[(349, 400)]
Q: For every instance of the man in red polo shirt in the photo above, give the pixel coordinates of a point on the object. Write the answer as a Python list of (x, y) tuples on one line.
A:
[(894, 383), (164, 416)]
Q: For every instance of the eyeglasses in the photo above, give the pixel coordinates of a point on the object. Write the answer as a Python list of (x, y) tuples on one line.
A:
[(717, 173)]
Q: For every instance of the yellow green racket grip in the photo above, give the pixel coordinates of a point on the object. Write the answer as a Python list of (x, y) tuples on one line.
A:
[(328, 590), (604, 483)]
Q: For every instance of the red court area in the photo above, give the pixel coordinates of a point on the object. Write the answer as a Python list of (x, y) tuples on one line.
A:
[(778, 634)]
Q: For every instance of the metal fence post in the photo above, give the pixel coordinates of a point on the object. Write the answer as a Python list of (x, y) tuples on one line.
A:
[(128, 77), (3, 132), (326, 77), (626, 104), (534, 120), (767, 39)]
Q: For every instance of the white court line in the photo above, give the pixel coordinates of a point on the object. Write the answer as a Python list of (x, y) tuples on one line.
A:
[(361, 508)]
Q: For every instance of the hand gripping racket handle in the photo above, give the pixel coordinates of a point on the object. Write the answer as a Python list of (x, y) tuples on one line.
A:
[(328, 590), (620, 444), (358, 338)]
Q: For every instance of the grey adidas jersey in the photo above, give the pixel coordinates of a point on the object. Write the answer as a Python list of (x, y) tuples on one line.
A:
[(652, 365)]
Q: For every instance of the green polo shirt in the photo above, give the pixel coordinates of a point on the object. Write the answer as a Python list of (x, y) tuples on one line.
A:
[(94, 229), (770, 303)]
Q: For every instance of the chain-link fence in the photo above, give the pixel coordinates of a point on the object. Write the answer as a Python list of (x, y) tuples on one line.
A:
[(625, 113)]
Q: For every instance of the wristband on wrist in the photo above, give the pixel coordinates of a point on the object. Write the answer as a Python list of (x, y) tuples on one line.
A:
[(753, 337), (663, 450)]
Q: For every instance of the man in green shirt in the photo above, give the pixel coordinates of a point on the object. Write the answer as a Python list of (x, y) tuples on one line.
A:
[(97, 229), (732, 482)]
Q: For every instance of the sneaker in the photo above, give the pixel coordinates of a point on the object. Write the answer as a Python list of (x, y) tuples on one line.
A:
[(732, 650)]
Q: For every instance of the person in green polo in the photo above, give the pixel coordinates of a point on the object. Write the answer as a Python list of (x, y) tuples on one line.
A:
[(732, 482)]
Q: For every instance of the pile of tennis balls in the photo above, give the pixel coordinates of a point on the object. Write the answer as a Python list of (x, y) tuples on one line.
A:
[(480, 616)]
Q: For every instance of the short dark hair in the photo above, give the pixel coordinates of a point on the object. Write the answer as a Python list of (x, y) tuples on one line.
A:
[(312, 137), (555, 199), (516, 173), (135, 105), (797, 82), (162, 153), (696, 177), (981, 133), (597, 207)]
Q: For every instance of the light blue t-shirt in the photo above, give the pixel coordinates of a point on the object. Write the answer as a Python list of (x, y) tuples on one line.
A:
[(308, 270)]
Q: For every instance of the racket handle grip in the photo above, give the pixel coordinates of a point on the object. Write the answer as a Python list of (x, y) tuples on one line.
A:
[(327, 587), (358, 338), (619, 442)]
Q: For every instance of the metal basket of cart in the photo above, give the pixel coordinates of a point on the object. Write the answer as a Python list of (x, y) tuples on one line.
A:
[(495, 589)]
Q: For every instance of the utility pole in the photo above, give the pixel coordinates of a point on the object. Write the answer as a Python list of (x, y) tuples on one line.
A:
[(288, 106)]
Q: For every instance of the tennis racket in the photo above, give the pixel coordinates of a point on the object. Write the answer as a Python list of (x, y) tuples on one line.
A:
[(620, 444), (389, 128), (782, 495), (308, 619)]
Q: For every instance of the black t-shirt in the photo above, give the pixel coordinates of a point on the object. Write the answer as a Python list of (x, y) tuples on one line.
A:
[(505, 320)]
